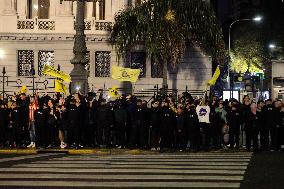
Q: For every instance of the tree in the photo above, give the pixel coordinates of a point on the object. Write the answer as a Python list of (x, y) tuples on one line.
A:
[(164, 27), (247, 55)]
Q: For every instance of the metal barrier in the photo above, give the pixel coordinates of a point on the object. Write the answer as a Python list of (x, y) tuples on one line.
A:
[(12, 84)]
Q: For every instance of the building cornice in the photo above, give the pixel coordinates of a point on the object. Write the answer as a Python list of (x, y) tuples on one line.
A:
[(50, 37)]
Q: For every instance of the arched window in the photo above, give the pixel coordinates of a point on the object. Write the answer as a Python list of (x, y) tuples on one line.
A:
[(39, 8)]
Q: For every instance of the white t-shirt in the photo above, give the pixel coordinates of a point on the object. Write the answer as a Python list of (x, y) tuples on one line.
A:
[(203, 113)]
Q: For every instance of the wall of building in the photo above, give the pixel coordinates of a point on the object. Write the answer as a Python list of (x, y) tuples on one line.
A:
[(193, 71)]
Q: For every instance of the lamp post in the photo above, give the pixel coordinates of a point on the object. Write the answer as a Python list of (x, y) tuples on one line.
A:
[(79, 76), (256, 19)]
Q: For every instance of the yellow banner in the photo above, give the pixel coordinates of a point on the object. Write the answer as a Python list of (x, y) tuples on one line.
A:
[(59, 86), (125, 74), (51, 71), (23, 90), (113, 92), (215, 76)]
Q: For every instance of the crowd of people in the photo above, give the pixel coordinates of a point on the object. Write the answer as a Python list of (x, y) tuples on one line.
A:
[(164, 123)]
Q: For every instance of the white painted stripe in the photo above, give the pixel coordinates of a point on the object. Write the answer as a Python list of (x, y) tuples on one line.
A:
[(52, 165), (155, 159), (142, 171), (123, 184), (24, 157), (120, 177), (166, 160), (145, 163)]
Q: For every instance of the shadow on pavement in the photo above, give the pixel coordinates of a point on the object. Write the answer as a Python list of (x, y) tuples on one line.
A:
[(265, 171)]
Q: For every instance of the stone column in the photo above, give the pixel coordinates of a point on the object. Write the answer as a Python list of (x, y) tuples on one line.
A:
[(108, 10), (97, 10), (9, 8), (22, 8), (89, 13), (53, 4), (66, 8)]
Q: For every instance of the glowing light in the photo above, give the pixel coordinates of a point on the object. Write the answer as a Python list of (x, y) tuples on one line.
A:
[(2, 53), (257, 18), (35, 7), (78, 88)]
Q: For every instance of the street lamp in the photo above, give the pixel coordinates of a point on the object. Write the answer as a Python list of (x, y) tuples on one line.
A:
[(79, 74), (255, 19)]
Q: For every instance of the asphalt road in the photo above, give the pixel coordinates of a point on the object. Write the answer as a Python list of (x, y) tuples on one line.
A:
[(196, 170)]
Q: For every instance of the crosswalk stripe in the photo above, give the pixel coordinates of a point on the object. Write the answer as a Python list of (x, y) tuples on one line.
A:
[(23, 157), (122, 184), (208, 170), (148, 163), (144, 171), (109, 166), (120, 177)]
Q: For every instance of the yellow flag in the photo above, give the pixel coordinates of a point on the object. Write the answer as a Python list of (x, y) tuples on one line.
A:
[(51, 71), (59, 86), (23, 90), (215, 76), (113, 92), (125, 74)]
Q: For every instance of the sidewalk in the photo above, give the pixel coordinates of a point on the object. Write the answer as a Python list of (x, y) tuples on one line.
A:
[(105, 151)]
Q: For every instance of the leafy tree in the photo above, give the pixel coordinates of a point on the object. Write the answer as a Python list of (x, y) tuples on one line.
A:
[(247, 55), (164, 27)]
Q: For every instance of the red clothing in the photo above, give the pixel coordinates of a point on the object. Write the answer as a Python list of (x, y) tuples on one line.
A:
[(32, 108)]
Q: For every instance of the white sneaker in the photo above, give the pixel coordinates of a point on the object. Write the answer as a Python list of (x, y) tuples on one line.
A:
[(63, 145), (32, 145)]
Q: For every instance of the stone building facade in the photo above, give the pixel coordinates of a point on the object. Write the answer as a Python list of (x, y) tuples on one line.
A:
[(38, 32)]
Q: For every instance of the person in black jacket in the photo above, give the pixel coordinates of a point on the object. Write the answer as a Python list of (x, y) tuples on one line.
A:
[(192, 128), (234, 123), (90, 127), (120, 120), (138, 132), (15, 121), (269, 124), (62, 122), (281, 127), (168, 121), (103, 121), (155, 121), (179, 130), (3, 123), (252, 128), (73, 116), (41, 126)]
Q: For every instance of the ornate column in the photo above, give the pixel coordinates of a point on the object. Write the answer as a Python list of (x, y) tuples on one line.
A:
[(79, 74), (22, 8), (9, 8)]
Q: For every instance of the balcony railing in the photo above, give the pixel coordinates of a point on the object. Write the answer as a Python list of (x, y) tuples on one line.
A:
[(35, 24), (62, 26)]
